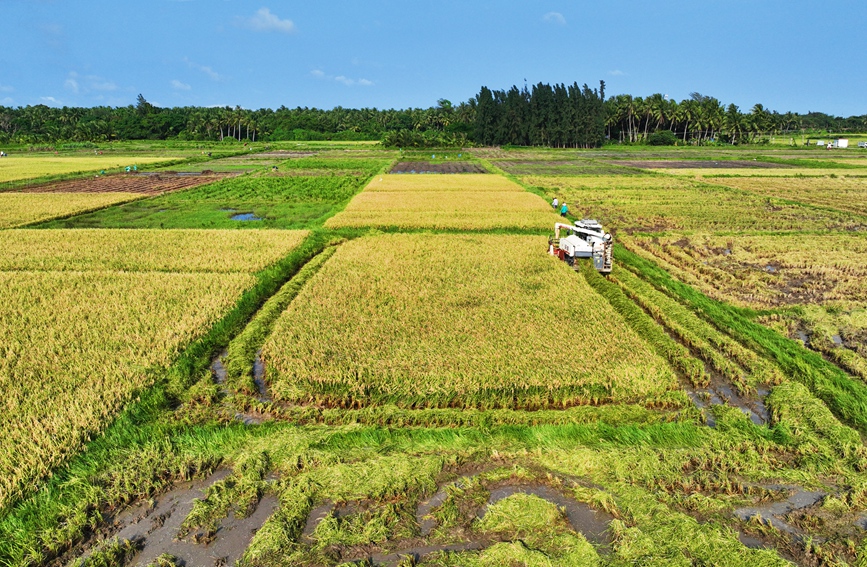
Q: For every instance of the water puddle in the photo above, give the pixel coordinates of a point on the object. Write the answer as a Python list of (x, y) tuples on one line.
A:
[(770, 513), (245, 217), (720, 392), (218, 369), (155, 527), (584, 519), (259, 378)]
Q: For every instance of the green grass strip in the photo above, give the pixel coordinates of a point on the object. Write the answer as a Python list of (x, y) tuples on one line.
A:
[(675, 353), (846, 397), (242, 350)]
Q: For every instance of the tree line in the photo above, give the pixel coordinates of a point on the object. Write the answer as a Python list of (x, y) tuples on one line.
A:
[(543, 115)]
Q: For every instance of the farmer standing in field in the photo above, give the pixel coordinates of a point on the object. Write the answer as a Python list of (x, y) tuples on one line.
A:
[(555, 202), (563, 210)]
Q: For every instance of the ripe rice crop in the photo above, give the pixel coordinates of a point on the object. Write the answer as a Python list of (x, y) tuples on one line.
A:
[(96, 334), (467, 182), (17, 209), (440, 320), (843, 192), (142, 250), (87, 320), (657, 204), (446, 210), (17, 166), (445, 202)]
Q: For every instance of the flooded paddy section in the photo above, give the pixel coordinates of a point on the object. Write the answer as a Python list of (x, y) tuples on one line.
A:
[(582, 518), (721, 392), (154, 526)]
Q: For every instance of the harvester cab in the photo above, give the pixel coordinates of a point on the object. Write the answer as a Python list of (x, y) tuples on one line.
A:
[(585, 239)]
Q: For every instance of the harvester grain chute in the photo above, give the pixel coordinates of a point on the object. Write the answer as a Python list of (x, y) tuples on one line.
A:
[(587, 239)]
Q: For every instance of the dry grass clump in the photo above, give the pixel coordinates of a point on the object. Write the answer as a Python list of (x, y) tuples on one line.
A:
[(17, 209), (184, 250), (439, 320)]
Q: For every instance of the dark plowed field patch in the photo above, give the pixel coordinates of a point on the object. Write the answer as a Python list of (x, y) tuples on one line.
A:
[(444, 167), (145, 184), (698, 164)]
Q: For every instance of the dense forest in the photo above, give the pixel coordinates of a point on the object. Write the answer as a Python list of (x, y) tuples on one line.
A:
[(543, 115)]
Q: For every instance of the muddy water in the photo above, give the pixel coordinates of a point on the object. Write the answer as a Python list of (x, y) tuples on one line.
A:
[(591, 523), (584, 519), (720, 392), (218, 369), (770, 512), (156, 528), (259, 377)]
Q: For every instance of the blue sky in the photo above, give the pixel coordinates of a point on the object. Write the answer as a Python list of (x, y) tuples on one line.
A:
[(788, 55)]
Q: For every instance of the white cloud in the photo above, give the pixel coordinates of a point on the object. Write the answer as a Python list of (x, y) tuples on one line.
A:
[(103, 85), (176, 84), (342, 79), (204, 69), (49, 99), (616, 73), (265, 21), (71, 83), (554, 18)]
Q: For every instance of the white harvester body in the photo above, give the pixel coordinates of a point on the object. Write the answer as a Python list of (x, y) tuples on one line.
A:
[(586, 239)]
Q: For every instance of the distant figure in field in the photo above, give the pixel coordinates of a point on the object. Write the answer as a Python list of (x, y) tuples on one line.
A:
[(555, 202), (563, 210), (2, 154)]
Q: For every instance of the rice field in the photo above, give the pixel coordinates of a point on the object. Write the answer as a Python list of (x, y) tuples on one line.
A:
[(764, 172), (462, 398), (145, 250), (438, 321), (467, 183), (761, 271), (17, 166), (445, 202), (18, 209), (663, 203), (841, 192), (91, 313)]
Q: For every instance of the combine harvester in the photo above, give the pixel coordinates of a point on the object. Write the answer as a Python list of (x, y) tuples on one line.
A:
[(587, 240)]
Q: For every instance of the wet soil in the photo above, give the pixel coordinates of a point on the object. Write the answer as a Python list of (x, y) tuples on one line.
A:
[(443, 167), (699, 164), (772, 513), (141, 183), (591, 523), (721, 392), (154, 526)]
